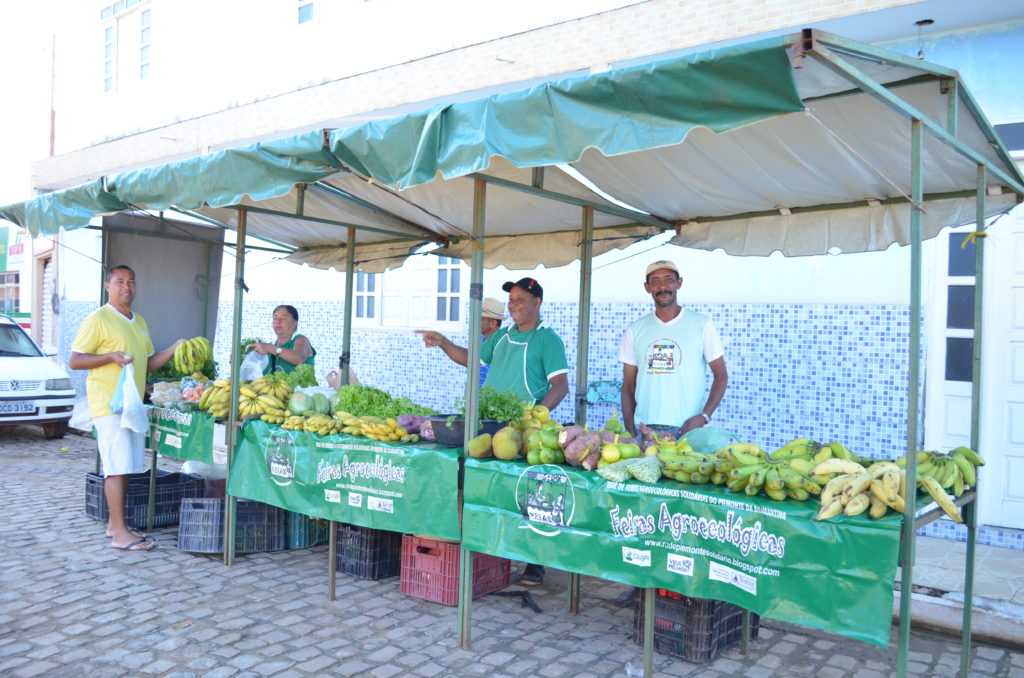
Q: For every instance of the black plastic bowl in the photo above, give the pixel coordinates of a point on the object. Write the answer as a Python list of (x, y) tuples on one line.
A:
[(454, 435)]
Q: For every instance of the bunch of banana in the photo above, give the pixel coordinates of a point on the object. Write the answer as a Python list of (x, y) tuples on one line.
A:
[(294, 423), (681, 462), (856, 489), (321, 424), (785, 474), (374, 428), (937, 473), (268, 407), (216, 400), (268, 385), (190, 354)]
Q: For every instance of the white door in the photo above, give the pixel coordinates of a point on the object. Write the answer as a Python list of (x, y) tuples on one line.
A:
[(1002, 442), (950, 310)]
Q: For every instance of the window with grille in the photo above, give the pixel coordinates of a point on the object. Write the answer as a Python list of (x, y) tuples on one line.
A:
[(449, 286), (123, 23), (366, 296)]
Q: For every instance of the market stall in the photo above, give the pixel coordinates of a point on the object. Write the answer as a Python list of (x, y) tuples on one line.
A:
[(806, 144), (382, 485)]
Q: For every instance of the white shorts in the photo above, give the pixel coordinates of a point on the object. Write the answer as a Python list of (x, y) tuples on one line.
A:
[(122, 450)]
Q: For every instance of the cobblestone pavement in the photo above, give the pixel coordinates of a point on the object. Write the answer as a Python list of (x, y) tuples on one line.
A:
[(72, 606)]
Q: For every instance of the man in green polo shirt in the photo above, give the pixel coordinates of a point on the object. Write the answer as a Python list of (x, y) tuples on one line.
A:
[(527, 358)]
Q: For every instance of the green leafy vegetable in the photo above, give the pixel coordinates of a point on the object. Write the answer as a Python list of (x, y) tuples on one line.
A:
[(502, 406), (302, 375), (209, 369), (368, 401)]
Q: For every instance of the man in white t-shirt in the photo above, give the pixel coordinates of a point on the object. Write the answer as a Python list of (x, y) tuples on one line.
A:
[(664, 356)]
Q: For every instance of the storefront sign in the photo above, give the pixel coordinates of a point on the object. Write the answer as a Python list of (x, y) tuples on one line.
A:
[(387, 486), (699, 540)]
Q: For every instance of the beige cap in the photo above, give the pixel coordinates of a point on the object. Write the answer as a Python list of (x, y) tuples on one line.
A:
[(493, 309), (662, 263)]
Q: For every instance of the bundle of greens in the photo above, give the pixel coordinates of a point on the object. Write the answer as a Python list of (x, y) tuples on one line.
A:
[(502, 406), (362, 401)]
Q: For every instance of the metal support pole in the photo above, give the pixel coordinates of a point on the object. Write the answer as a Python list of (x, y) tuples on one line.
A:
[(913, 388), (582, 354), (476, 287), (344, 370), (970, 511), (231, 435), (649, 595), (346, 332)]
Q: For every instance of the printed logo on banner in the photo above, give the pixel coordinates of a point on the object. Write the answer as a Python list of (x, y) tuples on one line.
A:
[(279, 453), (333, 496), (355, 499), (545, 497), (636, 557), (379, 504), (678, 564), (723, 573)]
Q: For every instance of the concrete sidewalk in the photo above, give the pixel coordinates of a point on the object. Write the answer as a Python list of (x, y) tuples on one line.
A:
[(72, 606)]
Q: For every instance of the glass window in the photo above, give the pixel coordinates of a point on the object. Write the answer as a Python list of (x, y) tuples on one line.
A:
[(960, 307), (961, 259), (455, 279), (9, 294), (305, 11), (442, 309), (453, 308), (959, 359), (442, 280), (449, 278), (365, 295), (145, 35), (145, 16)]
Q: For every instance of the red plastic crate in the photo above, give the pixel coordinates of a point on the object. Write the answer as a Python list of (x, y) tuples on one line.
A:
[(430, 570)]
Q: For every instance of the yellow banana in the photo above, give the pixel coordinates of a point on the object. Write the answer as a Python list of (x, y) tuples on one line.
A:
[(878, 508), (836, 465), (834, 488), (880, 467), (933, 488), (857, 485), (833, 508), (857, 504)]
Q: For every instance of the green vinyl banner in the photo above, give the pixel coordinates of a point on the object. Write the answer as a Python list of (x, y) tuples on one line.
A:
[(382, 485), (699, 540), (181, 435)]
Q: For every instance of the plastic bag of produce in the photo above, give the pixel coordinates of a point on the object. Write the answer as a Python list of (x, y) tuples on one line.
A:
[(252, 366), (617, 472), (133, 416), (645, 469), (707, 439)]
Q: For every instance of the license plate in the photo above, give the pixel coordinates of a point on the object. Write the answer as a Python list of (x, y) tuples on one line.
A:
[(17, 406)]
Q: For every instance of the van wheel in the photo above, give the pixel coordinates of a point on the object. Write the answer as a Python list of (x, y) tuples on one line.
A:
[(56, 429)]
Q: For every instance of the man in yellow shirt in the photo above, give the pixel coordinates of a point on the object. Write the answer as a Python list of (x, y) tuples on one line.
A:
[(110, 338)]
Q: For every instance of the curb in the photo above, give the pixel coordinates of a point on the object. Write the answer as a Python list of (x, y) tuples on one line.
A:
[(992, 622)]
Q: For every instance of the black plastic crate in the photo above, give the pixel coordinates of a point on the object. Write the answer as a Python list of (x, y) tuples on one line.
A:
[(304, 531), (259, 527), (694, 629), (366, 553), (171, 488)]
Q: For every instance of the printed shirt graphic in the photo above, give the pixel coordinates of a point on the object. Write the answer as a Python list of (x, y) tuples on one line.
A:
[(524, 362), (671, 360), (105, 330)]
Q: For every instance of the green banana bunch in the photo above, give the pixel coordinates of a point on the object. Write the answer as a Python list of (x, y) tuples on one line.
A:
[(955, 471), (190, 354), (787, 473)]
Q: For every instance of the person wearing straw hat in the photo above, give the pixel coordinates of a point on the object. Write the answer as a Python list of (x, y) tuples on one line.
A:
[(665, 355), (491, 315)]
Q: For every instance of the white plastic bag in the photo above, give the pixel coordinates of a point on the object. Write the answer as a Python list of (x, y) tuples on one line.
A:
[(252, 366), (134, 415)]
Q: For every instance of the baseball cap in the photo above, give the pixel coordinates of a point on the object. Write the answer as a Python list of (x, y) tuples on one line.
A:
[(493, 309), (661, 263), (528, 284)]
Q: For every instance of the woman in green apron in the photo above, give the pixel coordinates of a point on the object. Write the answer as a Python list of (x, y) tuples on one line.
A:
[(290, 349)]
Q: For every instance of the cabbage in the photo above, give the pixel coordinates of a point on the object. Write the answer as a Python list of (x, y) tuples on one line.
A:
[(300, 403), (321, 404)]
